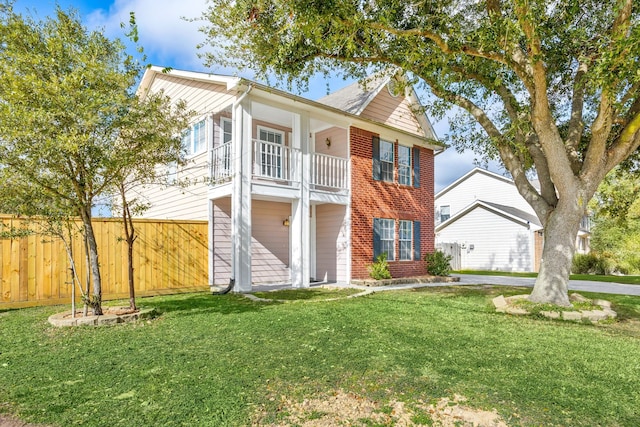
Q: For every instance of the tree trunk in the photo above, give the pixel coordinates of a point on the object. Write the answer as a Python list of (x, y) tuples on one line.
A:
[(130, 237), (560, 230), (96, 301)]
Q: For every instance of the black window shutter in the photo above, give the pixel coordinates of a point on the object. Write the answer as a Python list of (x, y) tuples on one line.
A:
[(376, 238), (416, 167), (376, 158), (416, 241)]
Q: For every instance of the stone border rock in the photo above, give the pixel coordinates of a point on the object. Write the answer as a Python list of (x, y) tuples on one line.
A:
[(405, 281), (63, 319), (506, 305)]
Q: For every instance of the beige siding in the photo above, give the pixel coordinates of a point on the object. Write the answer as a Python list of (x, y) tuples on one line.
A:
[(269, 242), (188, 200), (339, 142), (393, 111), (221, 241), (331, 243)]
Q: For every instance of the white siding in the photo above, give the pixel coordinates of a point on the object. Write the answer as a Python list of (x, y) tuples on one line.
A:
[(221, 241), (491, 241), (331, 243), (480, 186), (269, 242)]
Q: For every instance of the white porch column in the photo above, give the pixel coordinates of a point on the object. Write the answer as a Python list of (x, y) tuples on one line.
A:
[(300, 224), (241, 197)]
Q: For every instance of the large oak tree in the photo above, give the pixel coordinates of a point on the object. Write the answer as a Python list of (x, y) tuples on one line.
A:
[(553, 85)]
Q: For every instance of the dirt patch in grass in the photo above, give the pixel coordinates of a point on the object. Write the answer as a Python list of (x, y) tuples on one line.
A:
[(348, 409), (8, 421)]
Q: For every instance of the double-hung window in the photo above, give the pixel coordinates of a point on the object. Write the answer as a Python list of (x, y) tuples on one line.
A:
[(271, 151), (405, 237), (384, 231), (445, 213), (404, 165), (194, 139), (386, 160)]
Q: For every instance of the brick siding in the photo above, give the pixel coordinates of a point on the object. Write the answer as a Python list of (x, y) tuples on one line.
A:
[(380, 199)]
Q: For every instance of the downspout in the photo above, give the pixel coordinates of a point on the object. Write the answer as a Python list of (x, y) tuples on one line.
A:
[(232, 279)]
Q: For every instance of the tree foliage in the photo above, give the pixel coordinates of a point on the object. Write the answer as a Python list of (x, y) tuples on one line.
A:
[(548, 86), (616, 229), (71, 125)]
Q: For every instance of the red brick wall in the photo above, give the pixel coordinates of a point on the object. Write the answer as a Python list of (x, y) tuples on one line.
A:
[(380, 199)]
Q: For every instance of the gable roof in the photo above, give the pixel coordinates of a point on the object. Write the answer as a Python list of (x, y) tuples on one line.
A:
[(356, 97), (470, 174), (239, 84), (516, 215)]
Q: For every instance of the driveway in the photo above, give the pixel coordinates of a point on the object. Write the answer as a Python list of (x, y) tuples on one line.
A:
[(574, 285)]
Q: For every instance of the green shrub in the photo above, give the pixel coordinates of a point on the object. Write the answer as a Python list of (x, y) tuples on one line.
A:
[(380, 269), (438, 263), (591, 263)]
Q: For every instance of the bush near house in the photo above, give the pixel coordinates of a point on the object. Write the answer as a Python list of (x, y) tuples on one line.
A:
[(438, 263), (379, 270), (591, 263)]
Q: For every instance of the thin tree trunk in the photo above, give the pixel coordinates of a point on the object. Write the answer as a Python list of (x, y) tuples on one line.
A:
[(96, 301), (130, 237), (552, 284)]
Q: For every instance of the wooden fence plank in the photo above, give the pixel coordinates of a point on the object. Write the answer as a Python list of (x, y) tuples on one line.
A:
[(169, 256)]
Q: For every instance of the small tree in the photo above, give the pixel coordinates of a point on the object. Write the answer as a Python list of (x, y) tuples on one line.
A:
[(70, 122)]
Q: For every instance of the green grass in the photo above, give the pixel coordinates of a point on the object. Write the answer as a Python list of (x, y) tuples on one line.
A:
[(629, 280), (217, 360), (314, 294)]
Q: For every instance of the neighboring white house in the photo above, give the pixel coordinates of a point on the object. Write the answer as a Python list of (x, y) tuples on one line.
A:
[(294, 189), (487, 225)]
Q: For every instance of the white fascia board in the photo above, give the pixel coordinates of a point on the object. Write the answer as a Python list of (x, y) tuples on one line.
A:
[(481, 204), (468, 175), (287, 101)]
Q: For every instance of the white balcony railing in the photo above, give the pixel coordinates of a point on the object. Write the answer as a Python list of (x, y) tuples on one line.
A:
[(276, 161), (329, 172), (221, 167), (273, 161)]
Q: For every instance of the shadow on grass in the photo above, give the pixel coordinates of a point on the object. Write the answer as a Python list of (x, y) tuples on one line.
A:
[(304, 294), (204, 302), (475, 290)]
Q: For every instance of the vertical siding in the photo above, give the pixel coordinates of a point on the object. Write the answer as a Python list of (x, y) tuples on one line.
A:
[(393, 111), (269, 242), (331, 243), (168, 256), (222, 241), (498, 243), (481, 186)]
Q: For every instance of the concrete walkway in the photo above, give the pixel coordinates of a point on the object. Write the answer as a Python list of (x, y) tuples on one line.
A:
[(574, 285), (471, 279)]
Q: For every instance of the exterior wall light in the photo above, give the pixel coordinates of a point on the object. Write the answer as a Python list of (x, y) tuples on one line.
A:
[(286, 222)]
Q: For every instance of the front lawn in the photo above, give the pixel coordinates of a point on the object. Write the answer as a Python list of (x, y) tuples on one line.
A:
[(227, 360)]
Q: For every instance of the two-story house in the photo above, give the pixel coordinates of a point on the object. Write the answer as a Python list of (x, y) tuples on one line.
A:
[(482, 218), (297, 190)]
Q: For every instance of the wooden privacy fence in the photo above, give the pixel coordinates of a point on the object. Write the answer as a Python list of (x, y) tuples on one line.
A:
[(169, 257)]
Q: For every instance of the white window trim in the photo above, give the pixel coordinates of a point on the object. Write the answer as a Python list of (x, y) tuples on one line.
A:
[(409, 240), (392, 162), (268, 129), (410, 165), (207, 127), (222, 132)]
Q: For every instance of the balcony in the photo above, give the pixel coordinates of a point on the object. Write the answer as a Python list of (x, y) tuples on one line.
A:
[(280, 164)]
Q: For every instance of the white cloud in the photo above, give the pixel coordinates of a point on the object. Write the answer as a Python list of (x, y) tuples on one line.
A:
[(167, 38)]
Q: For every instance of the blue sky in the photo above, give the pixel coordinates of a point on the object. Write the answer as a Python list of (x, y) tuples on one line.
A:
[(169, 40)]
